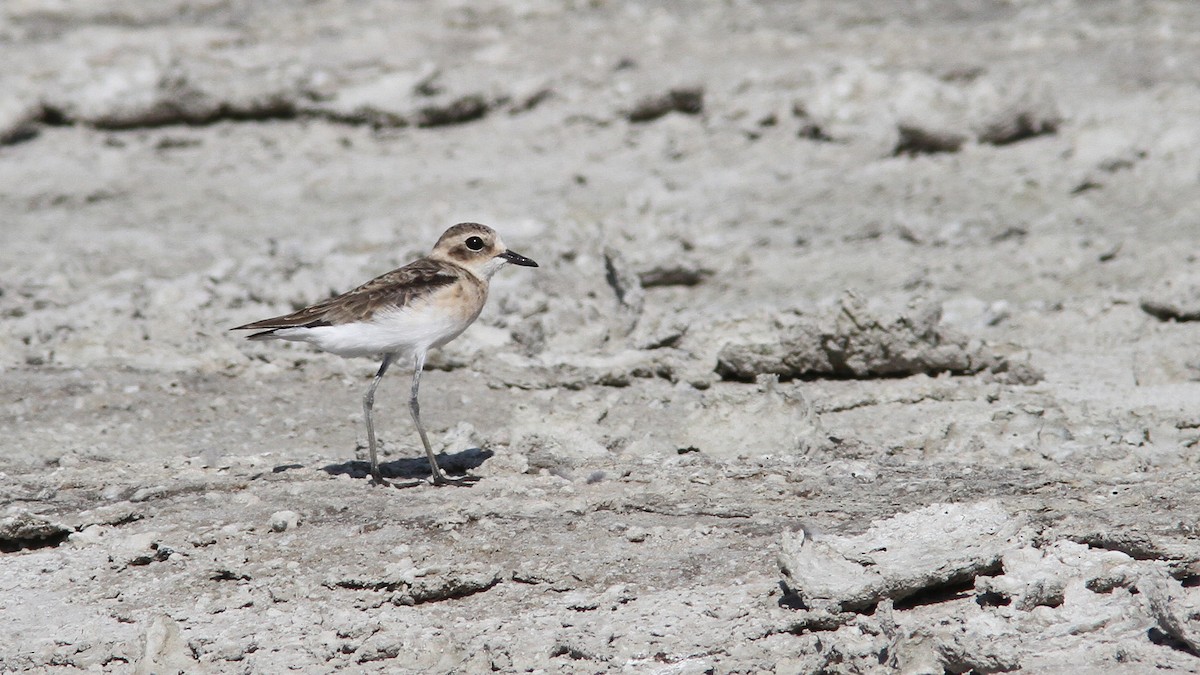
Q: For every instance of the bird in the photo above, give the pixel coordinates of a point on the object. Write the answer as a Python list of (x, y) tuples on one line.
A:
[(402, 315)]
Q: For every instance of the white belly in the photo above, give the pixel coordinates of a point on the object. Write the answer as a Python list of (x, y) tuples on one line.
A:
[(406, 331)]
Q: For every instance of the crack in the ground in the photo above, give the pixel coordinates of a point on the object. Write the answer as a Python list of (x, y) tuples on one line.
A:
[(173, 111)]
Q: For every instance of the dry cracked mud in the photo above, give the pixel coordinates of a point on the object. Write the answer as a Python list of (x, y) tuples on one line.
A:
[(863, 339)]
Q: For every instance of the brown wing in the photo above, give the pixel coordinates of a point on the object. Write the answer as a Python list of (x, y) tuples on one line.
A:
[(397, 288)]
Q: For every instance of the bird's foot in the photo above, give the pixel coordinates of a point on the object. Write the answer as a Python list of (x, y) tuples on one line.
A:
[(379, 481), (440, 479)]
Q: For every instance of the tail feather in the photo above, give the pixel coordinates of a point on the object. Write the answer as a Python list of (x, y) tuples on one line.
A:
[(265, 335), (278, 323)]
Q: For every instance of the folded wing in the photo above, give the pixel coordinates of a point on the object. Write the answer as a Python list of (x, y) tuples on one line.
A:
[(396, 289)]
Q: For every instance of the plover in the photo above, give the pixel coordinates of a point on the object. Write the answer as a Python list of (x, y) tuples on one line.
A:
[(403, 314)]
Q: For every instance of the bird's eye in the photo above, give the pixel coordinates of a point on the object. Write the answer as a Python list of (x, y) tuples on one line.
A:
[(475, 243)]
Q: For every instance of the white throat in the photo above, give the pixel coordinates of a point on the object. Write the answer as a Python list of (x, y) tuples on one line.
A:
[(489, 268)]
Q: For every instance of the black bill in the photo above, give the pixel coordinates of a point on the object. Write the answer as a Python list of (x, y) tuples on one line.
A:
[(518, 259)]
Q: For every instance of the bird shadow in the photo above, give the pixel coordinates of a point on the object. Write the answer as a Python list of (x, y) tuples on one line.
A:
[(456, 464)]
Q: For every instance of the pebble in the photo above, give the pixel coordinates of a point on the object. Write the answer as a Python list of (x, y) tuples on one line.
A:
[(281, 521)]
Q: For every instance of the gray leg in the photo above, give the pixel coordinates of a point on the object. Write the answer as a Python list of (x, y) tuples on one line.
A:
[(414, 407), (368, 403)]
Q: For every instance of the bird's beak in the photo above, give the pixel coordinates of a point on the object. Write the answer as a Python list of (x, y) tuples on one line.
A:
[(517, 259)]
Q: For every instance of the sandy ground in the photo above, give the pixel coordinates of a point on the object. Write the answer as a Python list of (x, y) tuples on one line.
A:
[(860, 339)]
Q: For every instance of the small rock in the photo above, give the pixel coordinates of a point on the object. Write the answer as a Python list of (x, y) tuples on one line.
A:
[(528, 100), (658, 331), (933, 547), (164, 649), (18, 120), (859, 344), (281, 521), (414, 586), (27, 530), (636, 534), (687, 100), (626, 284), (1036, 577), (581, 601), (917, 140), (157, 553), (148, 493), (92, 534), (118, 513), (712, 428), (1028, 112), (457, 111), (559, 451), (679, 273), (1175, 299), (1172, 609), (576, 653), (931, 115)]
